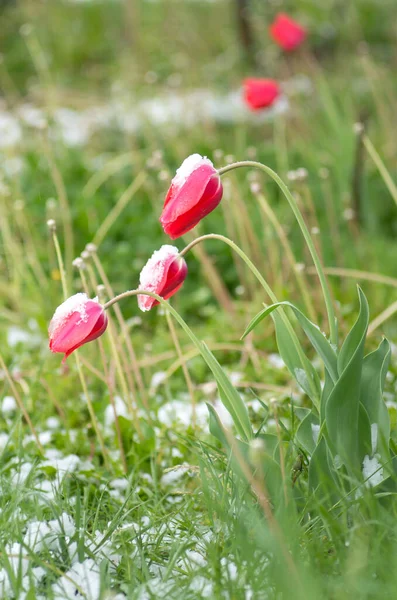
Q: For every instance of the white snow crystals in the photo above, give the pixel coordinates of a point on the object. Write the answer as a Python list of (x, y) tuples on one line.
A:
[(372, 468), (82, 581), (153, 272), (372, 471), (190, 164), (315, 432), (76, 303), (10, 130), (374, 437)]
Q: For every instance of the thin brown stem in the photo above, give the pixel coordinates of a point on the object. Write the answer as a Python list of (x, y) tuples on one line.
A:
[(126, 335)]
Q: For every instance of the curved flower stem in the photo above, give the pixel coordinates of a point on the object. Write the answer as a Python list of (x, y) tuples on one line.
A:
[(298, 215), (266, 287)]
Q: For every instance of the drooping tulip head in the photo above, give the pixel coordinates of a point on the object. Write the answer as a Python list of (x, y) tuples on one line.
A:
[(195, 191), (260, 93), (76, 322), (163, 274), (287, 33)]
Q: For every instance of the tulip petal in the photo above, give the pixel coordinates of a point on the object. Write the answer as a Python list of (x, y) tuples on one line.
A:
[(77, 321), (185, 198), (163, 274), (209, 196)]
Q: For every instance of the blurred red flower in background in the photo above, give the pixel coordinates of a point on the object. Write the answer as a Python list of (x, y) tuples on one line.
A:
[(260, 93), (287, 33)]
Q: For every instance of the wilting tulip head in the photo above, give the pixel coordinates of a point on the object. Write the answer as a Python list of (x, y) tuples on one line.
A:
[(287, 33), (260, 93), (76, 322), (163, 274), (195, 191)]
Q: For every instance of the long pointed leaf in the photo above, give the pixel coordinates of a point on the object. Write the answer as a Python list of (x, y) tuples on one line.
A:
[(342, 407), (317, 339), (375, 368), (229, 395)]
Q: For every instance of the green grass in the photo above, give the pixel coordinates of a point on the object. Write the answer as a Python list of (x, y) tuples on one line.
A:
[(196, 530)]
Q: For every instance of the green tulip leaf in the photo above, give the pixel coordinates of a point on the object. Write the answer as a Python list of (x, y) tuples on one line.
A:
[(342, 406)]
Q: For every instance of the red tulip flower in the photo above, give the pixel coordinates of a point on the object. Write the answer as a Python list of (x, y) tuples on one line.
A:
[(163, 274), (195, 191), (287, 33), (260, 93), (76, 322)]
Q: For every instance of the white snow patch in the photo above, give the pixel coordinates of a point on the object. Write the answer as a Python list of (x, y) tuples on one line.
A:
[(4, 437), (119, 484), (66, 464), (17, 335), (22, 473), (10, 130), (372, 470), (157, 379), (193, 559), (374, 437), (301, 378), (174, 474), (315, 432), (121, 411), (9, 405), (182, 412), (32, 116), (84, 577), (230, 567), (224, 415), (202, 586), (42, 534), (276, 361), (52, 422), (13, 165)]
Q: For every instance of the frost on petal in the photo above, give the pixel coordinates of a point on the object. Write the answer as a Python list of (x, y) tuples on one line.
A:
[(372, 470), (190, 164), (76, 303)]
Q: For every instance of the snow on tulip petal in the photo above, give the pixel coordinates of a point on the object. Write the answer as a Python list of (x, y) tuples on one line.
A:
[(260, 93), (76, 321), (163, 274), (195, 191), (189, 165), (287, 33)]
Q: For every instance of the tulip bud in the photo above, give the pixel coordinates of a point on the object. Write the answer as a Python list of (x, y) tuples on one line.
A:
[(195, 191), (163, 274), (76, 322)]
